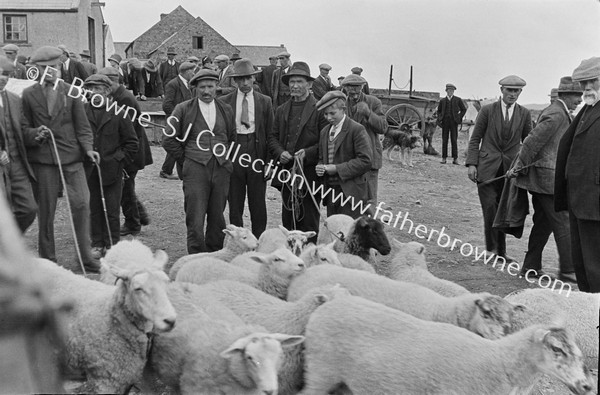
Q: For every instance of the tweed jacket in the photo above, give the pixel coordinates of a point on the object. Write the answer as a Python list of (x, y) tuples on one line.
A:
[(168, 72), (541, 146), (488, 150), (267, 79), (75, 69), (175, 92), (226, 83), (13, 104), (375, 124), (458, 109), (276, 87), (351, 156), (577, 181), (321, 86)]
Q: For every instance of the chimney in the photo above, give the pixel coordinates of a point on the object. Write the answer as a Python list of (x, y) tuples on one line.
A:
[(280, 45), (162, 16)]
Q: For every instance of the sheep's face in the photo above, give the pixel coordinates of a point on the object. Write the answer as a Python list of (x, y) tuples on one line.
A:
[(242, 237), (492, 316), (326, 255), (371, 234), (559, 356), (411, 254), (284, 263), (297, 240)]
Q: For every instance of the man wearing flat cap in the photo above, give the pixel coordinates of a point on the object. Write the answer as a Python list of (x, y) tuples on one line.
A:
[(70, 68), (226, 84), (177, 91), (280, 92), (539, 150), (169, 69), (358, 71), (200, 128), (322, 84), (344, 156), (267, 76), (20, 71), (367, 110), (115, 62), (295, 137), (253, 122), (48, 109), (499, 130), (450, 113), (577, 182)]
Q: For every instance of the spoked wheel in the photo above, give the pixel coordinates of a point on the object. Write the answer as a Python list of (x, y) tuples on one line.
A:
[(405, 117)]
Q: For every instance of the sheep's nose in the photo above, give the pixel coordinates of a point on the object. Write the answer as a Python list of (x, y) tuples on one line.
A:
[(301, 265), (586, 387), (169, 323)]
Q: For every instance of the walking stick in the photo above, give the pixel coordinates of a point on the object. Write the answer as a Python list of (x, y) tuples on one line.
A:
[(104, 203), (504, 176)]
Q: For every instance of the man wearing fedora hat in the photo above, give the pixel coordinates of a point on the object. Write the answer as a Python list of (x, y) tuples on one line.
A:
[(115, 62), (70, 68), (577, 181), (280, 92), (539, 150), (296, 137), (153, 84), (90, 68), (168, 69), (234, 58), (450, 113), (322, 84), (226, 84), (499, 129), (254, 122), (267, 76), (199, 127), (20, 71)]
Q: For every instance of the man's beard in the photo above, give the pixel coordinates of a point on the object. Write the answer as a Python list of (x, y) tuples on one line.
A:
[(590, 98)]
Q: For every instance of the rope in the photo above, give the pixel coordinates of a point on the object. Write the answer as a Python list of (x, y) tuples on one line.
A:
[(296, 193), (104, 203), (394, 82)]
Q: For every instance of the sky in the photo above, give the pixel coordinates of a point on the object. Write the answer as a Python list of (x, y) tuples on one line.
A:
[(470, 43)]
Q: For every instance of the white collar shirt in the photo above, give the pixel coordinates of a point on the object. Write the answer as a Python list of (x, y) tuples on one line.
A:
[(185, 82), (172, 62), (241, 129), (67, 63), (338, 129), (209, 112), (449, 97), (511, 109)]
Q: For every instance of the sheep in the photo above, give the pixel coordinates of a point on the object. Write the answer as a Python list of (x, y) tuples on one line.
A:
[(256, 307), (272, 239), (409, 264), (277, 270), (580, 310), (109, 326), (131, 254), (484, 314), (364, 233), (237, 241), (368, 348), (319, 254), (334, 228), (352, 261)]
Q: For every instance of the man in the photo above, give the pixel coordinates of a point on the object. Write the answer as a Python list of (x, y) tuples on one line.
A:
[(280, 92), (136, 79), (90, 68), (296, 137), (153, 85), (168, 69), (134, 211), (177, 91), (199, 125), (322, 83), (577, 182), (267, 76), (358, 71), (499, 128), (19, 71), (539, 151), (340, 79), (115, 62), (450, 113), (254, 122), (553, 95), (344, 155), (47, 108), (226, 84), (192, 59), (15, 172), (367, 110), (70, 68), (234, 58)]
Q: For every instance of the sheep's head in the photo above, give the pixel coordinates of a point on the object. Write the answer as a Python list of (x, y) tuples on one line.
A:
[(282, 263), (241, 238), (371, 234), (491, 315), (297, 239), (325, 253), (558, 355), (259, 356), (411, 254), (131, 254)]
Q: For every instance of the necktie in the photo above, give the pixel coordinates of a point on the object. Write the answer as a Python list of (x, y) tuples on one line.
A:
[(332, 133), (245, 116), (50, 94), (506, 119), (221, 74)]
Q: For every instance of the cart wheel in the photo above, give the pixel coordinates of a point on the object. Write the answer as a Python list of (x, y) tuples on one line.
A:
[(403, 116)]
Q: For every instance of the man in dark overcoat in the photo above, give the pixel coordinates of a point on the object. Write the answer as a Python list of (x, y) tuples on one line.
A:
[(450, 113)]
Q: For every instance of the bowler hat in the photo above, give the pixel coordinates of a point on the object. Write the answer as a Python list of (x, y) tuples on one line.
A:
[(186, 66), (354, 79), (329, 98), (298, 69), (235, 56), (243, 68), (512, 81), (450, 86), (204, 74), (109, 72), (171, 51), (568, 85), (10, 48), (86, 53), (98, 79), (221, 58), (356, 70), (46, 56), (587, 70), (6, 65), (115, 58), (324, 66), (150, 66)]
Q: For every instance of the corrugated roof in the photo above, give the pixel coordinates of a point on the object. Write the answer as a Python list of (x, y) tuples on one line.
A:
[(39, 4), (259, 54)]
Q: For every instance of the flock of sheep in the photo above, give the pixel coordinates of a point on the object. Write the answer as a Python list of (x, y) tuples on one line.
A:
[(280, 316)]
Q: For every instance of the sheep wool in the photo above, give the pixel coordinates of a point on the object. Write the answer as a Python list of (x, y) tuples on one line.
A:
[(133, 255), (275, 238), (319, 254)]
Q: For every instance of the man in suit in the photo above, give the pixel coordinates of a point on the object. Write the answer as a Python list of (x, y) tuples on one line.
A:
[(70, 68), (226, 84), (254, 122), (539, 150), (19, 71), (199, 127), (169, 69), (500, 128), (153, 85), (15, 172), (322, 84), (296, 136), (115, 62), (577, 182), (367, 110), (47, 108), (90, 68), (267, 76), (177, 91), (344, 155), (358, 71), (280, 92), (450, 113)]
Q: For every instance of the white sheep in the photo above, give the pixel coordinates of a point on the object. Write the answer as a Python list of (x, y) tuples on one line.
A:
[(277, 270), (351, 261), (319, 254), (294, 240), (335, 228), (580, 310), (237, 241), (367, 348), (484, 314), (132, 255), (107, 332)]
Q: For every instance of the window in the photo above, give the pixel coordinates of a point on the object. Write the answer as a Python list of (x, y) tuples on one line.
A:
[(15, 28), (198, 42)]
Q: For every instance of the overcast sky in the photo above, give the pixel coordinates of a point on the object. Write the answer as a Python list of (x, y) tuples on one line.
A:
[(470, 43)]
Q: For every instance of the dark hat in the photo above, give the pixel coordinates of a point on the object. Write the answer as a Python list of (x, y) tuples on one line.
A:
[(356, 70), (450, 86), (512, 81), (354, 79), (204, 74), (98, 79), (567, 85), (86, 53), (45, 56), (22, 59), (171, 51), (109, 72), (243, 68), (115, 58), (150, 66), (587, 70), (324, 66), (298, 69), (235, 56), (6, 65), (10, 48), (206, 59), (186, 66), (329, 98)]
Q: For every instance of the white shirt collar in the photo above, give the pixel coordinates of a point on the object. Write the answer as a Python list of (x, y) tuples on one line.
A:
[(185, 82), (67, 62), (564, 105), (337, 127)]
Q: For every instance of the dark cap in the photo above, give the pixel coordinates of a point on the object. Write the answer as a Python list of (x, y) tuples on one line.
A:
[(204, 74), (98, 79), (115, 58), (46, 56), (450, 86)]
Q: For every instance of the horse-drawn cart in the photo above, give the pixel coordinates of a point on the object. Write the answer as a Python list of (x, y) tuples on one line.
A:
[(408, 111)]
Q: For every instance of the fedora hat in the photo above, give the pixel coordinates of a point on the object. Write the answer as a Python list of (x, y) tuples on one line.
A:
[(298, 69), (115, 58), (150, 66), (235, 56), (171, 51), (86, 53), (243, 68), (567, 85)]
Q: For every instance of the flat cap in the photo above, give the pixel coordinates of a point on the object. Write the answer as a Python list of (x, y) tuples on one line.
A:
[(98, 79), (221, 58), (512, 81), (567, 85), (186, 66), (115, 58), (109, 72), (45, 56), (324, 66), (6, 65), (587, 70), (285, 54), (356, 70), (204, 74), (10, 48), (450, 86), (193, 59), (63, 48), (330, 98), (354, 79), (135, 63)]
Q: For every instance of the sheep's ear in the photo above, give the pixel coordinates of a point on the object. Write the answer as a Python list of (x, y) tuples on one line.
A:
[(483, 306), (310, 233), (341, 235), (321, 299), (540, 335), (332, 244), (160, 259), (259, 259), (237, 346), (118, 272), (520, 308), (284, 230), (228, 232), (287, 340), (397, 243), (420, 249)]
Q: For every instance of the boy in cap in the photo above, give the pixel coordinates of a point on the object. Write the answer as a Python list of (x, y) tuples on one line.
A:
[(322, 84), (450, 113), (20, 71), (115, 61)]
